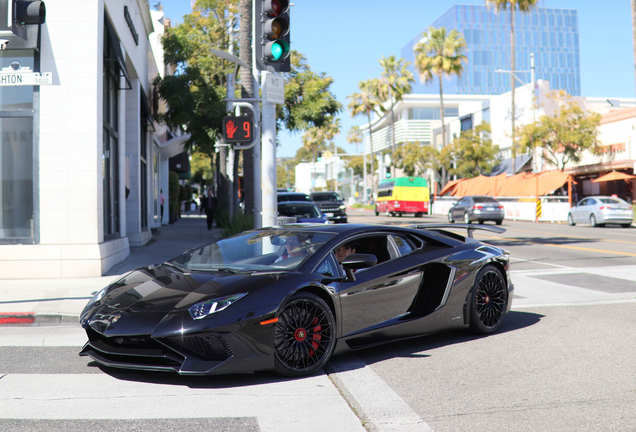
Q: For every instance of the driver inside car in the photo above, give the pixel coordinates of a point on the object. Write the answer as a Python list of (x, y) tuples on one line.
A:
[(293, 248)]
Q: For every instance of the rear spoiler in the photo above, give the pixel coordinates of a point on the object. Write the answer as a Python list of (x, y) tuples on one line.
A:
[(469, 227)]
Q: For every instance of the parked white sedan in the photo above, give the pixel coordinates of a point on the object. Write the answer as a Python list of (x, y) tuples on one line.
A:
[(601, 210)]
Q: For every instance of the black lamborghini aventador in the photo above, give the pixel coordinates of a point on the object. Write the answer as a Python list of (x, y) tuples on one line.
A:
[(278, 298)]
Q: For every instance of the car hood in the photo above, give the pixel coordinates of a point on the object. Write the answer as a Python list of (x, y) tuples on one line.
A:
[(143, 298)]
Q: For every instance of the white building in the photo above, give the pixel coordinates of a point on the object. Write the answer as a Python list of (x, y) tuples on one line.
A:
[(417, 119), (81, 156)]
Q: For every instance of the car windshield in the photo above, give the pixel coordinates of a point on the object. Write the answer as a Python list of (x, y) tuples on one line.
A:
[(484, 200), (326, 196), (299, 210), (293, 197), (263, 250)]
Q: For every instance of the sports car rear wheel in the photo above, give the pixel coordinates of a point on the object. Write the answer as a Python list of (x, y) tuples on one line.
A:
[(305, 335), (489, 301)]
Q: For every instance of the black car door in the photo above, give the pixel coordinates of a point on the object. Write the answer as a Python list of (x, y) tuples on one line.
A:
[(380, 293)]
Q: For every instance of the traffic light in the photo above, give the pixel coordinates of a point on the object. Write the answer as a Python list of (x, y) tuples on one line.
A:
[(20, 18), (26, 13), (387, 172), (271, 35), (238, 129)]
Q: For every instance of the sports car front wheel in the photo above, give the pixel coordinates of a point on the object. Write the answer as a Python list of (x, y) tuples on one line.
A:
[(489, 301), (305, 335)]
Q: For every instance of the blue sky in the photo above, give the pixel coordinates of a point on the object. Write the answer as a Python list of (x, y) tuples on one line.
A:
[(346, 38)]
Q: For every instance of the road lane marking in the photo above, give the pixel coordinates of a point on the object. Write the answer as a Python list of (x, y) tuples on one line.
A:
[(573, 237), (559, 246)]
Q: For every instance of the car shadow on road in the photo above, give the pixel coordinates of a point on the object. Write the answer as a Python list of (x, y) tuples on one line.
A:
[(417, 347), (414, 347), (195, 382)]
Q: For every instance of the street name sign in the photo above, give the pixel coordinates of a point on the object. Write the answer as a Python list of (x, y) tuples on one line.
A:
[(25, 78)]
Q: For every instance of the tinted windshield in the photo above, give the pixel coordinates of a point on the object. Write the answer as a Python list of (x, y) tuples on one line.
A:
[(262, 250), (326, 196), (293, 197), (484, 200), (299, 210)]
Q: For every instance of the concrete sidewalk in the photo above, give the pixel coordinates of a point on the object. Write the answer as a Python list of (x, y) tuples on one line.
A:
[(60, 301)]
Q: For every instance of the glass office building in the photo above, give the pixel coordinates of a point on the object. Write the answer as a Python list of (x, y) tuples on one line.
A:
[(551, 34)]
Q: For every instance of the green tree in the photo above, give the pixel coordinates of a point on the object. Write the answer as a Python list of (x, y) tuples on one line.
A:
[(354, 136), (522, 6), (309, 101), (194, 93), (415, 159), (472, 153), (286, 173), (201, 168), (357, 163), (563, 136), (440, 54), (398, 81), (364, 103)]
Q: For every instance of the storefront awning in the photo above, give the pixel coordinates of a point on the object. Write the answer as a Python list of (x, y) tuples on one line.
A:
[(119, 60), (520, 185)]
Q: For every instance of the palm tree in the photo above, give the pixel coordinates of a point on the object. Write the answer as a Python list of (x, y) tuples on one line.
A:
[(398, 80), (439, 54), (523, 6), (316, 138), (355, 135), (247, 91), (364, 103), (633, 2)]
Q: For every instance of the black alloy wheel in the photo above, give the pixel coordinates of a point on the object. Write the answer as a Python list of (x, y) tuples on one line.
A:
[(489, 300), (305, 335)]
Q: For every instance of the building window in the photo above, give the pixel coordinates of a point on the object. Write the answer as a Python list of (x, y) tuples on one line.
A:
[(110, 147), (18, 175)]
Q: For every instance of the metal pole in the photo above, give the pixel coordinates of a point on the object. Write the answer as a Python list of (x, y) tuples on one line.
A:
[(258, 221), (229, 106), (268, 181), (364, 188)]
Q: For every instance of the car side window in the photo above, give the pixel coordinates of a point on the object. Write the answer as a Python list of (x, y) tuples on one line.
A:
[(327, 267), (403, 244)]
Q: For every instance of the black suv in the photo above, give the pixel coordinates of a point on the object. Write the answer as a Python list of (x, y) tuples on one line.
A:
[(331, 205)]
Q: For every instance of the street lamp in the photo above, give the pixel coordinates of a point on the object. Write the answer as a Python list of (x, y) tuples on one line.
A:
[(512, 120)]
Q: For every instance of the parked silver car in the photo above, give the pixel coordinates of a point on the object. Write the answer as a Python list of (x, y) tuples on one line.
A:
[(601, 210), (477, 208)]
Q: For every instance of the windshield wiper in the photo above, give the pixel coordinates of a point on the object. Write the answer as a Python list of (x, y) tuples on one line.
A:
[(177, 266)]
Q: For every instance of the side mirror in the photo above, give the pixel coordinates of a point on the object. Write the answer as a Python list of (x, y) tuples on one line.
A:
[(358, 261)]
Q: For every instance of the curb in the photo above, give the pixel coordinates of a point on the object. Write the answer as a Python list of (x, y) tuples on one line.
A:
[(16, 319)]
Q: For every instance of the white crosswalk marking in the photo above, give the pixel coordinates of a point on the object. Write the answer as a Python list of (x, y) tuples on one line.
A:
[(120, 401)]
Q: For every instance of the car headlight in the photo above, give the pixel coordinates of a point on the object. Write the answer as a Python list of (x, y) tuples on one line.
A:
[(203, 309), (97, 297), (342, 207)]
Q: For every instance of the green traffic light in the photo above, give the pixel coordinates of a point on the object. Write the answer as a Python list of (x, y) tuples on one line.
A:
[(277, 51)]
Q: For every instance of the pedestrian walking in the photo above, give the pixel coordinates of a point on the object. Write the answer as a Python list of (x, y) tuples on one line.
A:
[(208, 204)]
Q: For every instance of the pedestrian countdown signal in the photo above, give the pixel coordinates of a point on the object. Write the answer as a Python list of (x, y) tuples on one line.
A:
[(237, 129)]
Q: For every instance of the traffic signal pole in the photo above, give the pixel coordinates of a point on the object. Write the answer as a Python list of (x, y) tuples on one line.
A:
[(268, 143)]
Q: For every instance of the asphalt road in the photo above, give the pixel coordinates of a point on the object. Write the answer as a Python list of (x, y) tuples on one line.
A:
[(562, 361), (564, 358)]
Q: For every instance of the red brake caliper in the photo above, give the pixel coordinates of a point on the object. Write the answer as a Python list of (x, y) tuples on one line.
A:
[(316, 336)]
